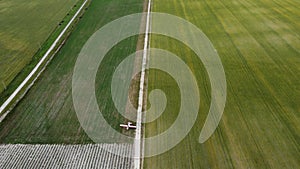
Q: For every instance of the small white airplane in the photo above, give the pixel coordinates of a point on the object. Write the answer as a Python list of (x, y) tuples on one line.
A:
[(128, 126)]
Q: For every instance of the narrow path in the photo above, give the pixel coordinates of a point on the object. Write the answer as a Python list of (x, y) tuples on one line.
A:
[(138, 139)]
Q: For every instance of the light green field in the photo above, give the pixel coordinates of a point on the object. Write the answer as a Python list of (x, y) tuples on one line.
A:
[(24, 27), (259, 45)]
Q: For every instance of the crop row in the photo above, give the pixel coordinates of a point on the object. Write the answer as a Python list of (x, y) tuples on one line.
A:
[(65, 156)]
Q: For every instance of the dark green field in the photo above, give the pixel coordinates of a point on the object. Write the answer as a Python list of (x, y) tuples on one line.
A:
[(46, 114), (259, 45)]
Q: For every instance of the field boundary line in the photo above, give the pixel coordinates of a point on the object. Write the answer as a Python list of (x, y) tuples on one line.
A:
[(138, 138), (36, 68)]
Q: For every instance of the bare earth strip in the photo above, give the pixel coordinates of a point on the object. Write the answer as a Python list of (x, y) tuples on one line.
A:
[(64, 156), (138, 136)]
